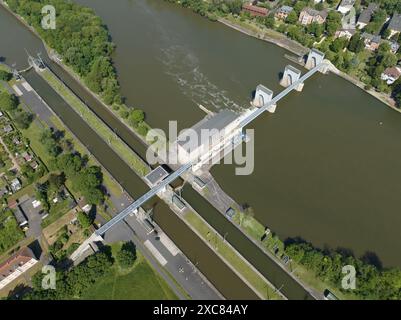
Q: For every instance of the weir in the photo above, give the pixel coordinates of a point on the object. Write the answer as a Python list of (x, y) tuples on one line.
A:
[(241, 122)]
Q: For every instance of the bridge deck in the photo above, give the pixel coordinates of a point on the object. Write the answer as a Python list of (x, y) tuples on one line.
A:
[(140, 201)]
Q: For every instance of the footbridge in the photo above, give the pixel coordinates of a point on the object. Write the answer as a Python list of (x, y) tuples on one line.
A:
[(316, 64)]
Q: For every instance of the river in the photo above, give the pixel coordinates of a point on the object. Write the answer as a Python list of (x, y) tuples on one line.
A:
[(326, 164)]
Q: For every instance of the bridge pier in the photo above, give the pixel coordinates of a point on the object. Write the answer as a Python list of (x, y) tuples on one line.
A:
[(290, 76), (315, 58), (263, 96)]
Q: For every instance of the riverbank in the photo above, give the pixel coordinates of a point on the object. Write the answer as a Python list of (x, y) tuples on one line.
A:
[(252, 29), (264, 34), (238, 264)]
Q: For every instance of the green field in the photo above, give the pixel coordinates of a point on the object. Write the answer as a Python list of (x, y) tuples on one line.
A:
[(140, 282)]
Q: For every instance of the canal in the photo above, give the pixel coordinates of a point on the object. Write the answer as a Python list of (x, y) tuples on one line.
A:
[(225, 280), (326, 163)]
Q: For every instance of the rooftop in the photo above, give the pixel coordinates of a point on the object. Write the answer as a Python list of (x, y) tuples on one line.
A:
[(345, 3), (285, 9), (366, 14), (14, 262), (156, 175), (395, 23), (314, 13), (206, 128)]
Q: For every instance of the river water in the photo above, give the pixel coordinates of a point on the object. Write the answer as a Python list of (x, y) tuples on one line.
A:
[(326, 164)]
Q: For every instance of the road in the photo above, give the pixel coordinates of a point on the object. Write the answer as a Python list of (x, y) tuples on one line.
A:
[(177, 265)]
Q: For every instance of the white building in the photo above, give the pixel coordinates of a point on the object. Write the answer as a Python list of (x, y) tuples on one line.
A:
[(345, 6), (391, 75), (15, 266), (209, 138)]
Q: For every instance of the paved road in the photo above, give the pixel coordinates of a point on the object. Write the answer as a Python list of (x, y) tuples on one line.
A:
[(174, 261), (177, 265)]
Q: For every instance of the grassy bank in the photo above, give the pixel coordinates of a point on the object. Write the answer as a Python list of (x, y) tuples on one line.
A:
[(127, 154), (140, 282), (227, 252)]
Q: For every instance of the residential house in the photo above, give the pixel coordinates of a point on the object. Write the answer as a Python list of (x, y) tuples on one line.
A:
[(85, 207), (394, 47), (34, 165), (391, 75), (21, 218), (8, 128), (283, 12), (395, 25), (255, 10), (346, 33), (309, 15), (17, 141), (16, 265), (345, 6), (27, 157), (372, 42), (15, 185), (366, 15)]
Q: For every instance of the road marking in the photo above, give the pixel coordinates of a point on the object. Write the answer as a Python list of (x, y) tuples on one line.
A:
[(27, 86), (155, 252), (170, 246), (17, 90)]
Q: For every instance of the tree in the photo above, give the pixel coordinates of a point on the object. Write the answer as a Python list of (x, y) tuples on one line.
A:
[(333, 22), (127, 255), (8, 102), (356, 43), (84, 220), (4, 75), (23, 119), (269, 21), (137, 116), (69, 163), (234, 6), (338, 44), (292, 18)]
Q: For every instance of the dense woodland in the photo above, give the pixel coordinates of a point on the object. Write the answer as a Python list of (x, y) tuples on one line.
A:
[(372, 281)]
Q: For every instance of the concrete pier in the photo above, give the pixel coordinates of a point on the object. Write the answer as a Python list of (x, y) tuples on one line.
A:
[(290, 76), (263, 96), (315, 58)]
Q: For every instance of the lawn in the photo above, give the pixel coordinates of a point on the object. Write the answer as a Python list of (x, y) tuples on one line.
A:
[(33, 134), (140, 282)]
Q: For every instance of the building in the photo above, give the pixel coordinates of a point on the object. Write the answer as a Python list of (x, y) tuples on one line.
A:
[(283, 12), (345, 6), (366, 15), (85, 207), (309, 15), (346, 33), (27, 157), (7, 128), (371, 41), (255, 10), (391, 75), (16, 265), (15, 185), (395, 25), (21, 218), (156, 176), (394, 47), (207, 138)]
